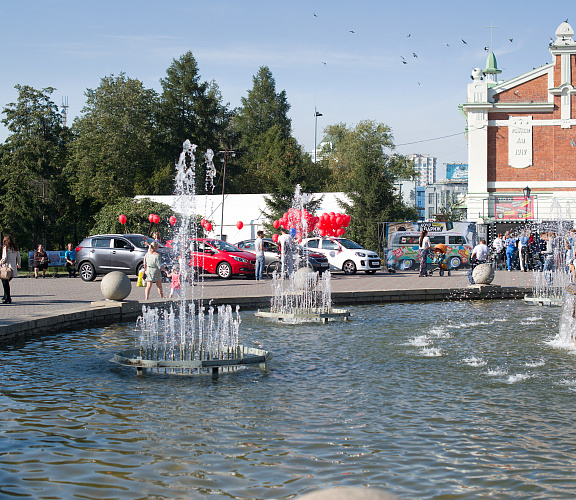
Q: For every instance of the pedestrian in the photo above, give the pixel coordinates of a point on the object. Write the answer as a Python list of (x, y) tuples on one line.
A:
[(40, 261), (156, 237), (570, 261), (153, 269), (174, 282), (478, 256), (10, 258), (510, 245), (260, 260), (285, 242), (498, 245), (423, 250), (523, 250), (70, 257)]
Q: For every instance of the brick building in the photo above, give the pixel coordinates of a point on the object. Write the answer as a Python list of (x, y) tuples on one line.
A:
[(522, 134)]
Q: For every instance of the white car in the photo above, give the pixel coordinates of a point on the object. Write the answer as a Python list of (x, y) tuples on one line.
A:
[(345, 255)]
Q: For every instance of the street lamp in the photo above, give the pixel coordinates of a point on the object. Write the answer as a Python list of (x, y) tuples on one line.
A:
[(316, 115), (527, 192), (224, 160)]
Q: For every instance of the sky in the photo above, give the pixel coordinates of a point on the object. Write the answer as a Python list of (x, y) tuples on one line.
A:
[(341, 58)]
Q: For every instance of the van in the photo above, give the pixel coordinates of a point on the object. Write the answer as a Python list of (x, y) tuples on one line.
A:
[(403, 249)]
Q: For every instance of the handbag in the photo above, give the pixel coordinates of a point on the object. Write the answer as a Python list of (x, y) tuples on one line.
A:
[(6, 272), (140, 281)]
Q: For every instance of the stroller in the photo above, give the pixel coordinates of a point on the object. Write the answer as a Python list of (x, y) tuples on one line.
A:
[(439, 261)]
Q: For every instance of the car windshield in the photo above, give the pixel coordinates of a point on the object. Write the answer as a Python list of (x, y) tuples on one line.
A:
[(141, 241), (222, 246), (349, 244)]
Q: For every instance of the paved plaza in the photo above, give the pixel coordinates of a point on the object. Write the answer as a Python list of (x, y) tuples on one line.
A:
[(39, 297)]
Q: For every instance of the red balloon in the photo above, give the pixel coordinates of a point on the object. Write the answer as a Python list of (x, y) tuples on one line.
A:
[(340, 232), (346, 220), (172, 220), (339, 220), (322, 232), (156, 219), (122, 219), (275, 238), (276, 224), (208, 226), (239, 224), (151, 218)]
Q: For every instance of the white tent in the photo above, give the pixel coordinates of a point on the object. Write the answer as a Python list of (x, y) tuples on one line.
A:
[(247, 208)]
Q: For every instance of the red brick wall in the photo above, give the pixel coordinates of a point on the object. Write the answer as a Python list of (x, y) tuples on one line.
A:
[(535, 90)]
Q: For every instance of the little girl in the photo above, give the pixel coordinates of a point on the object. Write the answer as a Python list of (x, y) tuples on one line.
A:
[(175, 284)]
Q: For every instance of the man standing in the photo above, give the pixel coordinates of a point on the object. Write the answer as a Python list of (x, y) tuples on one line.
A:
[(498, 246), (285, 242), (478, 256), (259, 248), (523, 250)]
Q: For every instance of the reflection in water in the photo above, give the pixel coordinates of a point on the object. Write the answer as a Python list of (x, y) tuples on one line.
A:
[(425, 400)]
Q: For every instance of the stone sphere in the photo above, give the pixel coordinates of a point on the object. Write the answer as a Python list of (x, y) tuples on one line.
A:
[(305, 279), (116, 286), (350, 493), (483, 274)]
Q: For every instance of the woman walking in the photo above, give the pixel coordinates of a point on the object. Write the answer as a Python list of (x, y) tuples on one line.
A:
[(153, 269), (423, 249), (10, 258)]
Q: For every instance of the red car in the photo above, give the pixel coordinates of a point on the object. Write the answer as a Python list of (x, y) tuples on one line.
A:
[(218, 257)]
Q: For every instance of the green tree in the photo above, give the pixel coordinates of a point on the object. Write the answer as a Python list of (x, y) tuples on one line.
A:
[(190, 109), (35, 205), (263, 129), (367, 175), (114, 153)]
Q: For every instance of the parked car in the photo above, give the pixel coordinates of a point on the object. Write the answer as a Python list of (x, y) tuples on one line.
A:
[(103, 253), (403, 249), (345, 255), (218, 257), (315, 260)]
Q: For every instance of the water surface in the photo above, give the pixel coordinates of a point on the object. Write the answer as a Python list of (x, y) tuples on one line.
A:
[(426, 400)]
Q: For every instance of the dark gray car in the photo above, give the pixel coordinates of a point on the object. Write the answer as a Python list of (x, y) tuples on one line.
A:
[(103, 253)]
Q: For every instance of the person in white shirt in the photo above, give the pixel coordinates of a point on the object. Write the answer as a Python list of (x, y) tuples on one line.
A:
[(478, 256), (259, 249), (285, 242), (423, 250), (498, 245)]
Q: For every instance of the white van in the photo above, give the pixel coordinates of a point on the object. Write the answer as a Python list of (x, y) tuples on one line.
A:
[(403, 249)]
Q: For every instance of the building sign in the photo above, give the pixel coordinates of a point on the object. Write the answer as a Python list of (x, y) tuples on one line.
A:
[(514, 208), (520, 142), (457, 171), (432, 227)]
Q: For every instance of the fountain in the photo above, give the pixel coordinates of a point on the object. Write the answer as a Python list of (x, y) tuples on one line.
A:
[(302, 295), (185, 338), (549, 286)]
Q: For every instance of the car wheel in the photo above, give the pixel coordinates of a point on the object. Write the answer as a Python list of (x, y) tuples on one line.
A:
[(454, 262), (275, 266), (372, 271), (87, 271), (224, 270), (349, 267), (406, 264)]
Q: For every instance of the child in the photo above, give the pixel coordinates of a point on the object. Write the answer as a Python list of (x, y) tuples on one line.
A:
[(175, 284)]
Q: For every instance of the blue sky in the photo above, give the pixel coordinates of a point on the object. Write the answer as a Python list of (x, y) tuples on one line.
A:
[(71, 45)]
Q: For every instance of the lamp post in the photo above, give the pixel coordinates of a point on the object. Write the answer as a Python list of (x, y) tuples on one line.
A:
[(316, 115), (527, 192), (224, 160)]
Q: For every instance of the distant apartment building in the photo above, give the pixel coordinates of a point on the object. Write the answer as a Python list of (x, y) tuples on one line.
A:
[(425, 165)]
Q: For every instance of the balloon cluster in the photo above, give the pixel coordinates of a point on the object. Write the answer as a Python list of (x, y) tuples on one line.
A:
[(206, 225), (333, 224), (297, 222), (154, 219)]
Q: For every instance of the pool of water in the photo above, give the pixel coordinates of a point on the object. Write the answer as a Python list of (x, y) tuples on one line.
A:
[(426, 400)]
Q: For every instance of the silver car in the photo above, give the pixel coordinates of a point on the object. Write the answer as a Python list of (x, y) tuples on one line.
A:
[(103, 253)]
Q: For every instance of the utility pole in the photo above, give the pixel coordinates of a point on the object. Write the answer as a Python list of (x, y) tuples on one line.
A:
[(225, 161)]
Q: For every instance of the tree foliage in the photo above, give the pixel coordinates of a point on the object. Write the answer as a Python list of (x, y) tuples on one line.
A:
[(35, 204), (367, 175), (114, 152)]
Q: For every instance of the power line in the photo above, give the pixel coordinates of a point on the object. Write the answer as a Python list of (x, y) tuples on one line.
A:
[(428, 140)]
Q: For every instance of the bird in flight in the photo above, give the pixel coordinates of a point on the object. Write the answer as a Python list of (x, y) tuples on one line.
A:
[(511, 39), (446, 44), (323, 63), (486, 49), (414, 54), (419, 83), (409, 35), (351, 31), (464, 41), (404, 62), (315, 14)]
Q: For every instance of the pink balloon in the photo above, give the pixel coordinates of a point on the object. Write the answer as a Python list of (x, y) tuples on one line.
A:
[(122, 219), (239, 224)]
